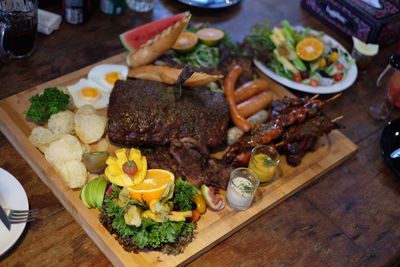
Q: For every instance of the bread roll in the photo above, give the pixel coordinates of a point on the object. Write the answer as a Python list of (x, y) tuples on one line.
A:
[(170, 75)]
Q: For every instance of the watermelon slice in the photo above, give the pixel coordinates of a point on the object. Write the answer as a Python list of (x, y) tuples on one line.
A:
[(137, 37)]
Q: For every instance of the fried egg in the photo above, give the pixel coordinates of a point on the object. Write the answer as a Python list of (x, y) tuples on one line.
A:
[(88, 92), (107, 74)]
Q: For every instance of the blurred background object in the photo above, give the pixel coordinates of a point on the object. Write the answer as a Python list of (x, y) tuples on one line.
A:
[(371, 21)]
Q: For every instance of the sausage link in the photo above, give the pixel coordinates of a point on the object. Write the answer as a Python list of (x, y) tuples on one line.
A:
[(250, 89), (255, 104), (229, 89)]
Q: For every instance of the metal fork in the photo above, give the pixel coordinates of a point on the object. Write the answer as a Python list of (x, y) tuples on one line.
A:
[(20, 216)]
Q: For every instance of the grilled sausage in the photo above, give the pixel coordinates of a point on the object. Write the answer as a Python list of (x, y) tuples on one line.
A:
[(255, 104), (250, 89), (229, 88)]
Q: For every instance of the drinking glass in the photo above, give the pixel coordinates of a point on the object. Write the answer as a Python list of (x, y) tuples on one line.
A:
[(388, 83), (264, 161), (140, 5), (242, 186), (363, 61), (18, 28)]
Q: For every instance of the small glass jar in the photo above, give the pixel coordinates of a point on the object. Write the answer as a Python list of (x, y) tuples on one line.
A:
[(242, 186), (264, 161), (387, 83)]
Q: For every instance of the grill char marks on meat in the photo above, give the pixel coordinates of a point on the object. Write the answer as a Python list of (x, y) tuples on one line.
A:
[(189, 158), (146, 113)]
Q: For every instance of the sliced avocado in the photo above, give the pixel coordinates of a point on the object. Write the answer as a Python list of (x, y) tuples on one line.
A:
[(90, 193), (101, 190), (83, 196)]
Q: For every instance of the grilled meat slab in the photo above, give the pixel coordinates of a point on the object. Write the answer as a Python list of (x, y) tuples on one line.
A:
[(146, 113)]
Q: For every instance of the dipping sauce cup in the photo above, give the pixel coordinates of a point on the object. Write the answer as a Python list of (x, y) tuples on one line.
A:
[(264, 161), (242, 186)]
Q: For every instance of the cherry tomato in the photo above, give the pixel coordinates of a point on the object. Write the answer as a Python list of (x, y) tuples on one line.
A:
[(338, 76), (130, 168), (340, 67), (314, 83), (297, 77)]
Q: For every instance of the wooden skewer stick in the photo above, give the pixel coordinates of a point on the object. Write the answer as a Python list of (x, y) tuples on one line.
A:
[(280, 144), (337, 118), (315, 96), (333, 98)]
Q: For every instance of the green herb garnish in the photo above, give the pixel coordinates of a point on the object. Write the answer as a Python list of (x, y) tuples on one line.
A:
[(183, 195), (248, 189), (51, 101)]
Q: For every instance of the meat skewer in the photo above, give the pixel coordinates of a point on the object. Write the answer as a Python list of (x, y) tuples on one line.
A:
[(296, 140), (295, 111), (333, 121), (301, 138)]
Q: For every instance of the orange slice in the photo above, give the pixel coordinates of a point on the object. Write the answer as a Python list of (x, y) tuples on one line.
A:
[(309, 49), (185, 42), (210, 36), (154, 186)]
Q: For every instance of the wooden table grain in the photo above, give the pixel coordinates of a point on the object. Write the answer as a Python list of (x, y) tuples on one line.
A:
[(348, 217)]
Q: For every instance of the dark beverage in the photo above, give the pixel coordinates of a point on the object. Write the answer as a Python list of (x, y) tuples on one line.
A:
[(20, 34)]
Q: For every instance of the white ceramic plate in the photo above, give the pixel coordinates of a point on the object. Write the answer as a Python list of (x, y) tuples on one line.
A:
[(12, 196), (213, 4), (345, 83)]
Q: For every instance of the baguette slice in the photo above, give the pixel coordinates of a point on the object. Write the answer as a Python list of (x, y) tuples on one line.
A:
[(157, 46), (170, 75)]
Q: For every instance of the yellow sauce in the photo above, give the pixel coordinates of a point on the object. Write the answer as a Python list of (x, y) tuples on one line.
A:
[(263, 166)]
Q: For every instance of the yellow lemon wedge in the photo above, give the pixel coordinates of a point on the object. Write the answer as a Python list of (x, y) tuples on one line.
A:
[(153, 187), (115, 171), (309, 49), (364, 48)]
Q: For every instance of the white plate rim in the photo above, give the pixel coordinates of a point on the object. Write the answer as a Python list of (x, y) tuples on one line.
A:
[(209, 6), (348, 80), (15, 199)]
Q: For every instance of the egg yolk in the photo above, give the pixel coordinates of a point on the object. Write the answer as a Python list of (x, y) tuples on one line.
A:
[(89, 93), (112, 77)]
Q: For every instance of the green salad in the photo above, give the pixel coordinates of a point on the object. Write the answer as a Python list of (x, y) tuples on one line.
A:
[(299, 54)]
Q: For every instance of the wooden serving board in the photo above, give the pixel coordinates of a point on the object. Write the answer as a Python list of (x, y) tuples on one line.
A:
[(212, 228)]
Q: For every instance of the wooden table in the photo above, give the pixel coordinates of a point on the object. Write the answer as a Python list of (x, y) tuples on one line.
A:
[(350, 216)]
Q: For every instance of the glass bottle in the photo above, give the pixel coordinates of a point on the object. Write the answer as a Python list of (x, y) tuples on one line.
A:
[(389, 82), (76, 11)]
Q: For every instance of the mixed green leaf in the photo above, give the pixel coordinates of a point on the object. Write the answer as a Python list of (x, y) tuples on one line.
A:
[(150, 234)]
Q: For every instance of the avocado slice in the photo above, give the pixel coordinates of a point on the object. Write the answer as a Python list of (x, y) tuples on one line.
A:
[(83, 196), (100, 191)]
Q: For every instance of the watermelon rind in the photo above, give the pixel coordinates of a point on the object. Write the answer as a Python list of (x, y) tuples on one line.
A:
[(163, 24), (125, 43)]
